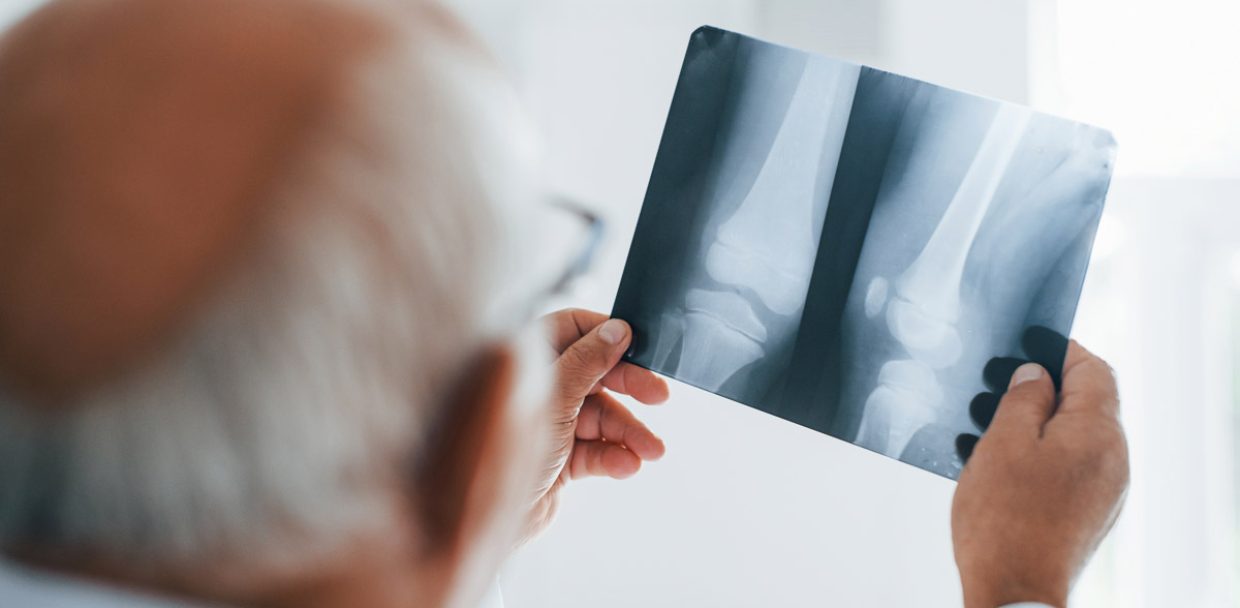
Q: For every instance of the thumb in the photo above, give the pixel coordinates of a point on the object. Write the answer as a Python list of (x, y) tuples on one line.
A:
[(1028, 403), (587, 360)]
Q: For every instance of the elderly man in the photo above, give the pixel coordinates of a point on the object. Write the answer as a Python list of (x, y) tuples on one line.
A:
[(267, 274)]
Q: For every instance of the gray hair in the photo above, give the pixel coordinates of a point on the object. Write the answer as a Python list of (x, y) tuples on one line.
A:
[(269, 427)]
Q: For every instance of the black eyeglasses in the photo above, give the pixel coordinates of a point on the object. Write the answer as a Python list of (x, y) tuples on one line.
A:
[(580, 262)]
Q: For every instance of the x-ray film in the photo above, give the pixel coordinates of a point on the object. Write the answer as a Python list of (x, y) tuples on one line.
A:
[(858, 252)]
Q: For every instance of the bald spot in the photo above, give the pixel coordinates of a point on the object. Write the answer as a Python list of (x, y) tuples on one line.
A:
[(137, 141)]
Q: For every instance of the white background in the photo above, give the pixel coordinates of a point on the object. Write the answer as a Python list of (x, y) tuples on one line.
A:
[(746, 510)]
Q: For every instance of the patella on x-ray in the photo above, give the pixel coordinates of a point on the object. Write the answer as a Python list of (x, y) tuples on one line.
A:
[(847, 248)]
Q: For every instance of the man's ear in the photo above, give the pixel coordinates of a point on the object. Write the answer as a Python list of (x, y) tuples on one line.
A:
[(460, 480)]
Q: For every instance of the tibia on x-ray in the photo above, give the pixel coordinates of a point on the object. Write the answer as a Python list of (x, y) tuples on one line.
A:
[(769, 243), (904, 401), (925, 307), (722, 334)]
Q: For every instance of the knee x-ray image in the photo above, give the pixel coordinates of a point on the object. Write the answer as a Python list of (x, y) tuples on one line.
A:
[(848, 249)]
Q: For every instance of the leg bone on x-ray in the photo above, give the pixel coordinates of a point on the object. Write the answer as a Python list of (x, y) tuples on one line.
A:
[(766, 249), (922, 313)]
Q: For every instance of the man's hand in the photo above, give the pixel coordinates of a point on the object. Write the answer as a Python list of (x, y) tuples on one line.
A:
[(1042, 486), (593, 433)]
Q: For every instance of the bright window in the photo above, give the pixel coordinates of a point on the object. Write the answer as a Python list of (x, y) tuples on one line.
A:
[(1162, 302)]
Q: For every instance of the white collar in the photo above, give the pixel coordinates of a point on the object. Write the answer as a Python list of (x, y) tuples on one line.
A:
[(23, 586)]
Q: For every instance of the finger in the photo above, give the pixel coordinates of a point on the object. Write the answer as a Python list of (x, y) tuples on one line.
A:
[(584, 363), (982, 409), (1046, 347), (964, 446), (602, 417), (1088, 384), (568, 326), (998, 372), (564, 327), (636, 382), (1028, 403), (602, 459)]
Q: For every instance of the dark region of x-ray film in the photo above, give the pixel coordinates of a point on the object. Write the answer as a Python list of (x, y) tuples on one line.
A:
[(847, 248)]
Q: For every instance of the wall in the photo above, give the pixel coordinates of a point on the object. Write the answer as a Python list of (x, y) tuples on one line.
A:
[(11, 10)]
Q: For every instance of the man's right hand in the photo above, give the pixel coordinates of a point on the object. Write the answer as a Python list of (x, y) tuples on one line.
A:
[(1042, 486)]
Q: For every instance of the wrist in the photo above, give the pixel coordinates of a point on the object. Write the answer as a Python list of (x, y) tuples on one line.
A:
[(995, 591)]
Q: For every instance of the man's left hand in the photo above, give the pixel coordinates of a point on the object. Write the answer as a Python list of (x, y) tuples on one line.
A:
[(593, 433)]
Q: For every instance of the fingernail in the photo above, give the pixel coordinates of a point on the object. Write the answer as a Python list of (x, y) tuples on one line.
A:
[(612, 331), (1025, 373)]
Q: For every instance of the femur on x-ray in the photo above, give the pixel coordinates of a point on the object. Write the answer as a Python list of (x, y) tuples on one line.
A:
[(846, 248), (746, 299)]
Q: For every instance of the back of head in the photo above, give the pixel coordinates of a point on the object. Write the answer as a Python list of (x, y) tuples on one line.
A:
[(247, 247), (135, 141)]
